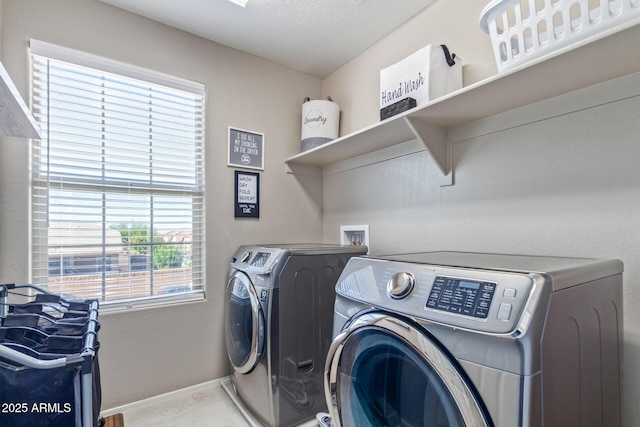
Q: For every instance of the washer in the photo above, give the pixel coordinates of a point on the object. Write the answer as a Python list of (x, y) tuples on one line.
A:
[(470, 339), (279, 313)]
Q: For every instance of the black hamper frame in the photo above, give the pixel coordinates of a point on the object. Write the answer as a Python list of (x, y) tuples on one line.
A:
[(49, 372)]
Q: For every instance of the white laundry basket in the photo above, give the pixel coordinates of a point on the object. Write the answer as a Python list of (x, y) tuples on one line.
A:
[(522, 30)]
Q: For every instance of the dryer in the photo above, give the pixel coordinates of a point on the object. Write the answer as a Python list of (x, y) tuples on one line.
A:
[(279, 314), (471, 339)]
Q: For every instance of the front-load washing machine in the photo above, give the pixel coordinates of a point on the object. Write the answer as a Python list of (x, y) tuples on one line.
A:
[(279, 314), (469, 339)]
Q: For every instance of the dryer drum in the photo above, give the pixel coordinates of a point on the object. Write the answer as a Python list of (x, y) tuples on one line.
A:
[(244, 324), (279, 316)]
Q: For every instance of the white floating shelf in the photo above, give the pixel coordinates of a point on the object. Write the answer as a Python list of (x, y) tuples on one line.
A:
[(608, 55), (15, 118)]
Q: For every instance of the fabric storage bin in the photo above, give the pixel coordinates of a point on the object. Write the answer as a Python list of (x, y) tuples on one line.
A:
[(426, 74), (49, 371), (320, 122), (522, 30)]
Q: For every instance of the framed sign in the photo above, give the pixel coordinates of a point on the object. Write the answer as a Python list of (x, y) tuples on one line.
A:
[(246, 149), (247, 195)]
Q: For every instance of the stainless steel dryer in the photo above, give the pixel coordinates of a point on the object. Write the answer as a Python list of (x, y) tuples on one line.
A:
[(469, 339), (279, 314)]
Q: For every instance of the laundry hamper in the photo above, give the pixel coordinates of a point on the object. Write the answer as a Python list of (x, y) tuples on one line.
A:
[(522, 30), (49, 372)]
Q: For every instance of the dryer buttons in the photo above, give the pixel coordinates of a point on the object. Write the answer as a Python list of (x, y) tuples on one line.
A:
[(400, 285)]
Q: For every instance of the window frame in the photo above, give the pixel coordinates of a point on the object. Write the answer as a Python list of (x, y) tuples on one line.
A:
[(59, 53)]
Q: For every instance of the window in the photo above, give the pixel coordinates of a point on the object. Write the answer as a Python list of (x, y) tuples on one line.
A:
[(117, 180)]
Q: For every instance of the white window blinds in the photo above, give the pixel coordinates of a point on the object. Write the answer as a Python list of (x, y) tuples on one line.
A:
[(118, 180)]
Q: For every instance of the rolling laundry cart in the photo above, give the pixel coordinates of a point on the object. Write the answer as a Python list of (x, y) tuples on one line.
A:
[(49, 373)]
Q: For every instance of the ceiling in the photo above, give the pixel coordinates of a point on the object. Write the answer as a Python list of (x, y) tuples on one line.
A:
[(312, 36)]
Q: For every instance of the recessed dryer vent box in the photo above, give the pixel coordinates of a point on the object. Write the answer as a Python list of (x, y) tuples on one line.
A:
[(354, 235)]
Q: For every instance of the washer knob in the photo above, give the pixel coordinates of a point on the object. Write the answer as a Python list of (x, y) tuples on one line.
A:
[(400, 285), (245, 256)]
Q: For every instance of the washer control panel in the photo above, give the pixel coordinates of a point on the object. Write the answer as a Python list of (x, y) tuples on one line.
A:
[(485, 300), (462, 296)]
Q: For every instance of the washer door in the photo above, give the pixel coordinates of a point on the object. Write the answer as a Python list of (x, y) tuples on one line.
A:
[(384, 371), (244, 323)]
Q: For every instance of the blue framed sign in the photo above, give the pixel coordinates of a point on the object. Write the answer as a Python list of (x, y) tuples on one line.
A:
[(246, 149), (247, 195)]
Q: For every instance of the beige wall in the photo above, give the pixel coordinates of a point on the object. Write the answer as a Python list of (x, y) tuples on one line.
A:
[(148, 352)]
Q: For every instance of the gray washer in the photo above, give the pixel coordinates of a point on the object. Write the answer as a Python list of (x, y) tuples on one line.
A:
[(279, 313), (454, 338)]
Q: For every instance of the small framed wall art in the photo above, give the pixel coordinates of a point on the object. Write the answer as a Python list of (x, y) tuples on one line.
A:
[(247, 195), (246, 149)]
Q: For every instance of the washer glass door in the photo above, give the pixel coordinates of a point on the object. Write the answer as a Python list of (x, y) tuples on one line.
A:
[(244, 323), (387, 372)]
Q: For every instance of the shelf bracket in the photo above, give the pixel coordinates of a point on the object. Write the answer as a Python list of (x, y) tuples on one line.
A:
[(302, 169), (434, 140), (310, 179)]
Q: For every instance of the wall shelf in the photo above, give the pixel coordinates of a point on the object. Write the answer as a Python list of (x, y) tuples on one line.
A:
[(605, 56), (15, 118)]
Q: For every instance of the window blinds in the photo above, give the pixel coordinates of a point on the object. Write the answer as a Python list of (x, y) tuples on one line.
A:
[(118, 180)]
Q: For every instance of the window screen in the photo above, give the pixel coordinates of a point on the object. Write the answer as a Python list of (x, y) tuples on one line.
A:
[(117, 180)]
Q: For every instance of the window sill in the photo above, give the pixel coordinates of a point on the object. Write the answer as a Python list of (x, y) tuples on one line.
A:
[(151, 302)]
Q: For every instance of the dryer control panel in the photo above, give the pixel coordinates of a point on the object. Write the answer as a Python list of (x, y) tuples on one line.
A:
[(483, 300), (259, 260)]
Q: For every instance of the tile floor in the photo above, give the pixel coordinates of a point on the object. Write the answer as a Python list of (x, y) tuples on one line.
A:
[(205, 405)]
